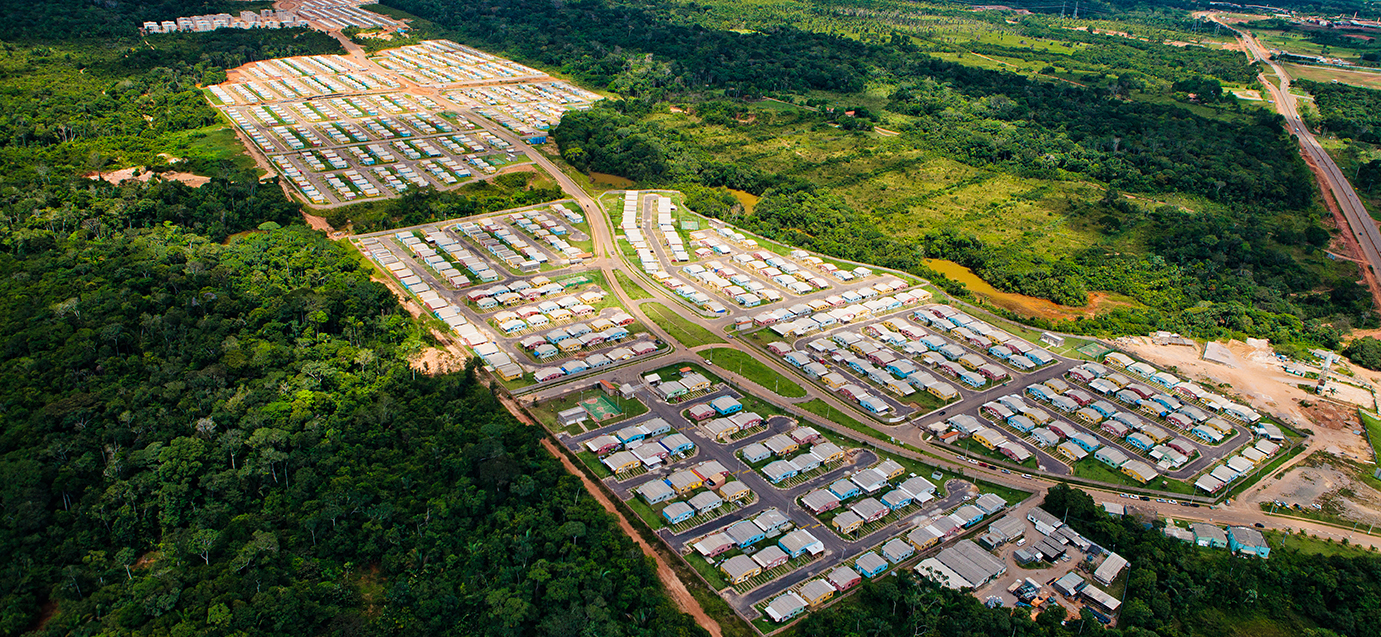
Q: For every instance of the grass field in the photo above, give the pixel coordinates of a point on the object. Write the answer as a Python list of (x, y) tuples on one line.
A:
[(1313, 546), (824, 410), (211, 143), (631, 287), (911, 190), (754, 370), (1365, 79), (1373, 427), (684, 331)]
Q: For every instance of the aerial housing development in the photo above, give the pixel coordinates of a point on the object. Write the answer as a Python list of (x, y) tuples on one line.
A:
[(777, 509), (783, 424)]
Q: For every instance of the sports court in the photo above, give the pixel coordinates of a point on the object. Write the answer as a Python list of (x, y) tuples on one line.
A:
[(601, 408)]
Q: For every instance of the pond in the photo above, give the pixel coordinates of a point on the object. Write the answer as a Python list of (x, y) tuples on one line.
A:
[(1022, 304), (612, 182), (748, 199)]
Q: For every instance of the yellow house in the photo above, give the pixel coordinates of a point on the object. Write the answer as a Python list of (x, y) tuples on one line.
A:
[(1139, 471), (740, 568), (827, 452), (847, 522), (834, 380), (695, 382), (817, 592), (891, 469), (988, 438), (621, 461)]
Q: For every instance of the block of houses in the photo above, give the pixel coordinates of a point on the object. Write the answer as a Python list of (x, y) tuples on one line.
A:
[(780, 470), (869, 480), (869, 509), (844, 489), (1209, 535), (710, 471), (820, 500), (781, 445), (621, 461), (817, 591), (1139, 471), (700, 412), (706, 501), (676, 444), (770, 557), (726, 405), (601, 445), (721, 429), (847, 522), (685, 481), (924, 537), (1110, 456), (919, 488), (745, 533), (755, 452), (655, 491), (843, 578), (1071, 452)]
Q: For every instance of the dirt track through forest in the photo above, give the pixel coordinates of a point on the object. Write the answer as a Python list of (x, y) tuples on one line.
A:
[(678, 590)]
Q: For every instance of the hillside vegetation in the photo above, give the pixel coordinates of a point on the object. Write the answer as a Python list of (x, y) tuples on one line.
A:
[(1018, 176)]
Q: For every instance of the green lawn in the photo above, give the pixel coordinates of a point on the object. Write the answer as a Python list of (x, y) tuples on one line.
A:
[(684, 331), (596, 467), (754, 370), (712, 574), (1314, 546), (1095, 470), (824, 410), (630, 287)]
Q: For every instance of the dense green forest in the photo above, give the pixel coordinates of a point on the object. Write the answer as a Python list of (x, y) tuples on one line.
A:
[(1173, 589), (204, 438), (208, 420), (1346, 110)]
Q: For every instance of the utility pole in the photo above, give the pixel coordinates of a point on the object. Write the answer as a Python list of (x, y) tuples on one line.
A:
[(1062, 10), (1076, 9)]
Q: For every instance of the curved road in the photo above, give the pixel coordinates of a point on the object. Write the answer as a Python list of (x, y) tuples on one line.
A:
[(1362, 227)]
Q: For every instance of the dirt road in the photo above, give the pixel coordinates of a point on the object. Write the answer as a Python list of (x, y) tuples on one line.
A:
[(678, 591)]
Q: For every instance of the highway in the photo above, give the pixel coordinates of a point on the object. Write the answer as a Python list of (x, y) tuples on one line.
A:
[(1362, 228)]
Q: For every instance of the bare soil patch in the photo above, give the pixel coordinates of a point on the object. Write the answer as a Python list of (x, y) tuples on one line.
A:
[(1260, 380), (143, 174)]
